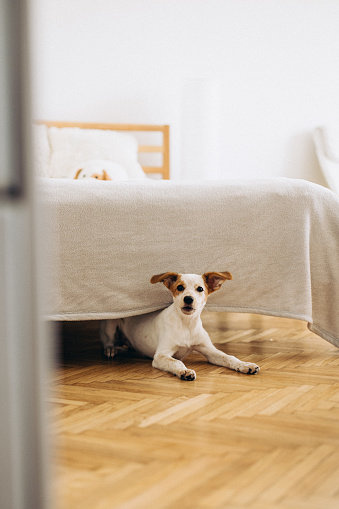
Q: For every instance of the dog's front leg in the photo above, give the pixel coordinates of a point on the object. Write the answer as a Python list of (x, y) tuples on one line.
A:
[(107, 336), (215, 356), (165, 362)]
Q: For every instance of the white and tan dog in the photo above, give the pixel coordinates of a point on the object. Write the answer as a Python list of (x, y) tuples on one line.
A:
[(169, 335)]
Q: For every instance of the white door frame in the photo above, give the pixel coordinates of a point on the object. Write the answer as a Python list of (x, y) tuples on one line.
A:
[(23, 362)]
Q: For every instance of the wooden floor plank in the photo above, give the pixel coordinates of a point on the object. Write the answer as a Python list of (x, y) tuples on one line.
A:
[(128, 436)]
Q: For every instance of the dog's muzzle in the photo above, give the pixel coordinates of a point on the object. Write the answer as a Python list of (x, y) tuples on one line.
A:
[(188, 309)]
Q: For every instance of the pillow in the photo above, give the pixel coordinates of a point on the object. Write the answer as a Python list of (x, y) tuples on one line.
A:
[(41, 150), (101, 168), (71, 146)]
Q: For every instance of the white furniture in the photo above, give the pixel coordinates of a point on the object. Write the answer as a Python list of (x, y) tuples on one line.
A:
[(326, 140)]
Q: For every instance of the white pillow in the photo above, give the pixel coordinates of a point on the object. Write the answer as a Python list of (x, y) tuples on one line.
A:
[(71, 146), (41, 150), (96, 166)]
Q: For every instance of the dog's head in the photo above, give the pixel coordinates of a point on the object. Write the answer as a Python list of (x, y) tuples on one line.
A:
[(85, 174), (190, 291)]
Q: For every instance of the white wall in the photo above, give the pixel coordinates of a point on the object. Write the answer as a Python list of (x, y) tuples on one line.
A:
[(275, 62)]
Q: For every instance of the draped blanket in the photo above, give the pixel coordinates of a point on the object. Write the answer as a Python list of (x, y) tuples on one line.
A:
[(278, 237)]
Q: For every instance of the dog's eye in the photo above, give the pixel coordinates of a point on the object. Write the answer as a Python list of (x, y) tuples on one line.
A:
[(200, 289), (180, 288)]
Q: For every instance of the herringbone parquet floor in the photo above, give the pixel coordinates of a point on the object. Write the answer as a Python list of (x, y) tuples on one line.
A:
[(128, 436)]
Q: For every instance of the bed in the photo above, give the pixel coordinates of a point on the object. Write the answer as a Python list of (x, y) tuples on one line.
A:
[(278, 237)]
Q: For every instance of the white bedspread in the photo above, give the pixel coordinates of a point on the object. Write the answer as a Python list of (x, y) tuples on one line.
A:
[(279, 238)]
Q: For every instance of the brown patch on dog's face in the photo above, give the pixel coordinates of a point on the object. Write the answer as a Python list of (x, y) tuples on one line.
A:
[(178, 287), (101, 176), (214, 280)]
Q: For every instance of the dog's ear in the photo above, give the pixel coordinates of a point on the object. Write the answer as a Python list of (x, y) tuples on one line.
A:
[(77, 173), (168, 278), (214, 280), (106, 176)]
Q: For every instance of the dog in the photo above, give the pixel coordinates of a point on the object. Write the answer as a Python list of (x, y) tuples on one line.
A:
[(169, 335)]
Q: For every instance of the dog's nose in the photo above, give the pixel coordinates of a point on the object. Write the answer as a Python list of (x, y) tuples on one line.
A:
[(188, 299)]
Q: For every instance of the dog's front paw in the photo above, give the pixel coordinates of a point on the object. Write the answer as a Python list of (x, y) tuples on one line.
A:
[(188, 374), (249, 368)]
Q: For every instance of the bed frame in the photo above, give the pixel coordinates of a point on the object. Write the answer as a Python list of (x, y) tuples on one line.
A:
[(163, 148)]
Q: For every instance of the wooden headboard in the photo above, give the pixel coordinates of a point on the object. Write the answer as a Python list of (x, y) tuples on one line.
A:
[(163, 148)]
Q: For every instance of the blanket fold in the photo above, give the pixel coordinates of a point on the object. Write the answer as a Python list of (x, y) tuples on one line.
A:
[(278, 237)]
